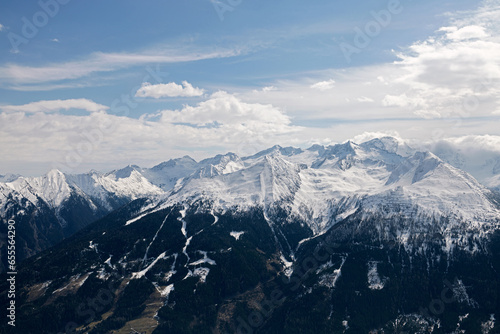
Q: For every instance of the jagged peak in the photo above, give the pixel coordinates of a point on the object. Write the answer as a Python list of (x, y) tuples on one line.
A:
[(125, 172), (185, 160), (341, 151), (9, 178), (426, 155), (55, 173), (389, 144), (220, 158), (317, 148), (276, 150)]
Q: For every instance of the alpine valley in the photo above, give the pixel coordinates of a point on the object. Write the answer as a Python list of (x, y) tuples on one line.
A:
[(375, 237)]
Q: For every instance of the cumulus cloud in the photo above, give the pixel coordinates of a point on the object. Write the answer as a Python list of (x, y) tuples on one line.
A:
[(465, 33), (55, 105), (456, 71), (368, 135), (324, 85), (269, 88), (229, 111), (168, 90)]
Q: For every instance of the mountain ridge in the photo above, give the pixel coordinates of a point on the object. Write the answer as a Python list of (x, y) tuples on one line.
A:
[(321, 185), (333, 230)]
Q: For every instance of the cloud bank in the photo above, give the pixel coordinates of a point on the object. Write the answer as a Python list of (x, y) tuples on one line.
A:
[(79, 143), (55, 105), (169, 90)]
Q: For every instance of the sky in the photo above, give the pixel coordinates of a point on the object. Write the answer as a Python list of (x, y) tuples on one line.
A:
[(104, 84)]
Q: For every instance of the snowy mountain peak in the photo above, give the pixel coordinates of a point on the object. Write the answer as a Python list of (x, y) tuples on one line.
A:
[(220, 159), (276, 149), (218, 165), (124, 172), (342, 151), (9, 178), (325, 186), (389, 144), (186, 162), (52, 187)]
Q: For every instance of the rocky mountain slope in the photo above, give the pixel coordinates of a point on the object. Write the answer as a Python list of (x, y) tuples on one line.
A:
[(349, 238)]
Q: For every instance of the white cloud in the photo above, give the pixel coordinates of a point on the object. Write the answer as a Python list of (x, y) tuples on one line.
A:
[(349, 100), (456, 71), (269, 88), (1, 27), (324, 85), (453, 74), (446, 86), (367, 136), (78, 143), (396, 101), (465, 33), (103, 62), (365, 99), (418, 104), (168, 90), (55, 40), (227, 111), (55, 105)]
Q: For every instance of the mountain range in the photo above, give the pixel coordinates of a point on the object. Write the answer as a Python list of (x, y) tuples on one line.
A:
[(347, 238)]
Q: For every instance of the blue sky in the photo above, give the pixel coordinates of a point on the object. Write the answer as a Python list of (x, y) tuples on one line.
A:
[(203, 77)]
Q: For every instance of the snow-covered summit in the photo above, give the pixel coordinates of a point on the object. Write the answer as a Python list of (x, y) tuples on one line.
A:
[(324, 185), (52, 187), (9, 178)]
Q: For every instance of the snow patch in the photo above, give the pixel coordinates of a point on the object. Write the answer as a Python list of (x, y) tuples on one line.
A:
[(237, 235), (288, 266), (460, 293), (165, 292), (205, 259), (143, 272), (374, 280), (202, 273), (93, 246), (487, 326), (136, 218), (330, 279)]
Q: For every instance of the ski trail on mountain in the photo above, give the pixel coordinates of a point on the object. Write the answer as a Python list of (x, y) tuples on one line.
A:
[(143, 272), (154, 238), (188, 240)]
